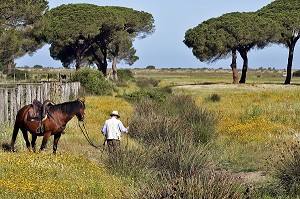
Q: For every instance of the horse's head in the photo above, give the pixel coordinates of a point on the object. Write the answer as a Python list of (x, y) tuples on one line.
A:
[(80, 113)]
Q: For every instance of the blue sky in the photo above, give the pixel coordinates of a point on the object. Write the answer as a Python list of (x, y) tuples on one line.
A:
[(165, 48)]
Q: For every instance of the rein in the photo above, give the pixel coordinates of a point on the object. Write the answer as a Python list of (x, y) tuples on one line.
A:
[(60, 126), (86, 135), (126, 147)]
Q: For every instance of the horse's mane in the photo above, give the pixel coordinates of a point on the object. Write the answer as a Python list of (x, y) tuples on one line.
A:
[(68, 107)]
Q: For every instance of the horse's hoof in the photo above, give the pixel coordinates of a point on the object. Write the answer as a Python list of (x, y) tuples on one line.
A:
[(7, 147)]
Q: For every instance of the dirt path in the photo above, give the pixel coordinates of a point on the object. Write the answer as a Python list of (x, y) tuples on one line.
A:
[(250, 177)]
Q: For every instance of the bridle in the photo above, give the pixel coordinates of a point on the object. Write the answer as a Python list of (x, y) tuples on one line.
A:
[(83, 106)]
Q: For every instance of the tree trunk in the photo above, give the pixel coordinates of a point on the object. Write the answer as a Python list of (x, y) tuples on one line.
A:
[(292, 42), (114, 69), (245, 66), (102, 64), (78, 60), (104, 61), (10, 65), (102, 67), (289, 66), (233, 67), (83, 45)]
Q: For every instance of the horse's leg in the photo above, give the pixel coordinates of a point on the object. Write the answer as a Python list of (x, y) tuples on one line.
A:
[(45, 140), (34, 137), (55, 142), (25, 135), (14, 136)]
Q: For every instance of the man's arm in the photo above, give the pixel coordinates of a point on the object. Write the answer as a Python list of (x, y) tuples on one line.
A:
[(122, 128), (103, 130)]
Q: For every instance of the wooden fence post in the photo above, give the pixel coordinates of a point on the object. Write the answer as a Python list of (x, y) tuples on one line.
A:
[(38, 94), (2, 119), (12, 99), (13, 108), (28, 94), (5, 105)]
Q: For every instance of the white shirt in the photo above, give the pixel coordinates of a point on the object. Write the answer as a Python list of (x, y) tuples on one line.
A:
[(112, 129)]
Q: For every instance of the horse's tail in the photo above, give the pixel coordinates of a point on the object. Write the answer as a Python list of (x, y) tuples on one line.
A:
[(14, 135), (19, 119)]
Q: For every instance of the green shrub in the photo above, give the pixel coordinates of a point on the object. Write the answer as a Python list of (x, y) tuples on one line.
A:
[(93, 81), (150, 67), (296, 73), (125, 74), (37, 66), (156, 94), (213, 98), (18, 75), (146, 82), (52, 76)]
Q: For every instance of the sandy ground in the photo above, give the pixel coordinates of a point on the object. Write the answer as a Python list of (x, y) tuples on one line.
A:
[(261, 87)]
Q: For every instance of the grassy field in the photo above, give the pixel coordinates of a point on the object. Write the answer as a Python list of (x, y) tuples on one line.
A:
[(256, 121), (210, 76), (76, 172)]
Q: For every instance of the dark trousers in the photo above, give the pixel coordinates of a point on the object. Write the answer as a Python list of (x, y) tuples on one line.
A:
[(113, 146)]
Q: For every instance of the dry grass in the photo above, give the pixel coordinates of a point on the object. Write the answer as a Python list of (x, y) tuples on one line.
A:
[(77, 171), (252, 119), (211, 76)]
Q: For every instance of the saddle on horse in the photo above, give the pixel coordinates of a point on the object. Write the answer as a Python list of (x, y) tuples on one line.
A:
[(38, 113)]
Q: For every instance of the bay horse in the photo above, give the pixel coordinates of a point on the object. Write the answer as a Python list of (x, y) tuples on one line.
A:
[(57, 116)]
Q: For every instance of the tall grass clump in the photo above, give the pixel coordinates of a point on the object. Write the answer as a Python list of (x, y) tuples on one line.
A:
[(172, 132), (93, 81), (146, 82), (178, 114), (157, 94), (213, 98), (201, 185), (173, 160), (124, 76), (287, 168)]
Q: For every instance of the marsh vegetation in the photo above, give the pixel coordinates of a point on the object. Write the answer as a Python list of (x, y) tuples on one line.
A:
[(199, 137)]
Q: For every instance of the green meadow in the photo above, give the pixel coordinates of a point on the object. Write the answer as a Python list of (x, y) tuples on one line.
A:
[(207, 138)]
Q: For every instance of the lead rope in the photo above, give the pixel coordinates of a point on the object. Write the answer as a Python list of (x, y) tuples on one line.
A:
[(86, 135), (126, 147)]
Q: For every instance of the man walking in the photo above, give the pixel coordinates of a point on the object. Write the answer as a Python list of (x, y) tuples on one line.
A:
[(112, 130)]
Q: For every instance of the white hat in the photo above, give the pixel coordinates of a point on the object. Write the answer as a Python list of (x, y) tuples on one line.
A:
[(115, 113)]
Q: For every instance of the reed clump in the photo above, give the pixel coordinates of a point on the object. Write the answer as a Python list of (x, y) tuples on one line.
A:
[(286, 167), (172, 160)]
